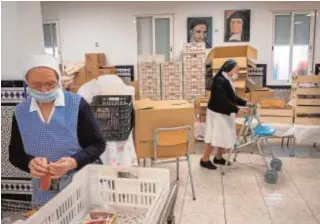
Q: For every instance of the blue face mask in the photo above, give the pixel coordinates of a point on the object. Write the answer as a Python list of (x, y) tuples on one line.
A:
[(43, 97)]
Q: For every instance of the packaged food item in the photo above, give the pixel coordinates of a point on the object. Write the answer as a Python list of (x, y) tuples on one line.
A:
[(100, 215), (96, 222), (45, 182), (30, 213)]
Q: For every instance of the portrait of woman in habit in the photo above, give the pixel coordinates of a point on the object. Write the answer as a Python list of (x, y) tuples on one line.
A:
[(237, 26)]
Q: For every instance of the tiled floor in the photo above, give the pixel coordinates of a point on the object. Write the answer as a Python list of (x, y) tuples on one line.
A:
[(242, 196)]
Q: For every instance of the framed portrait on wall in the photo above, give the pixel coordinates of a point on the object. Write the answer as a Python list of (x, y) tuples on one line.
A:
[(237, 26), (199, 29)]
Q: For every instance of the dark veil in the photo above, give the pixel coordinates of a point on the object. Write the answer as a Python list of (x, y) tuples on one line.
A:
[(228, 66)]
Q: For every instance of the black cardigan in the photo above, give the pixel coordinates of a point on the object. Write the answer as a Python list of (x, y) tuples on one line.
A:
[(223, 99)]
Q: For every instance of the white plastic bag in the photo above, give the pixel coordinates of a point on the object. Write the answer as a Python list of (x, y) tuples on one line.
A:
[(105, 85)]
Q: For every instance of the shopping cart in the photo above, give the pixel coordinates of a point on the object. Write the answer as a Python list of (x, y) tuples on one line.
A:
[(136, 195), (257, 133)]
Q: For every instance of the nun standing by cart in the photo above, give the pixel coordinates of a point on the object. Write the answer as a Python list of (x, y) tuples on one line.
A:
[(54, 132), (220, 127)]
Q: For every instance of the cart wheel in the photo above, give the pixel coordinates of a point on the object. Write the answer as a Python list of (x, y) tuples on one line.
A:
[(271, 176), (171, 220), (276, 164)]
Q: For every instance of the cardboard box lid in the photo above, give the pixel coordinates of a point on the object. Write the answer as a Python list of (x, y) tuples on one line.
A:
[(148, 104), (258, 89), (243, 62), (143, 104), (234, 51)]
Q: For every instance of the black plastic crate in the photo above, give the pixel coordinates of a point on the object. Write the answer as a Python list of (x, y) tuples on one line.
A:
[(115, 116)]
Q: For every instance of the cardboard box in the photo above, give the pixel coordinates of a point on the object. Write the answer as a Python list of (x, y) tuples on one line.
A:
[(75, 88), (135, 84), (243, 62), (258, 94), (276, 115), (240, 84), (108, 70), (201, 102), (81, 77), (243, 94), (234, 51), (92, 74), (150, 115), (94, 61), (203, 118)]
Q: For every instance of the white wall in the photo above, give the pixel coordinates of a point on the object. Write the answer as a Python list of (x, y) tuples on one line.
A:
[(21, 35), (111, 24)]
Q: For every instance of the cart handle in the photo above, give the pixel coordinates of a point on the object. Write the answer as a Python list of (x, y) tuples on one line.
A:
[(253, 108)]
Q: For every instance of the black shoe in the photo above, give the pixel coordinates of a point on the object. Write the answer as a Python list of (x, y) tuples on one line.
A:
[(208, 164), (221, 161)]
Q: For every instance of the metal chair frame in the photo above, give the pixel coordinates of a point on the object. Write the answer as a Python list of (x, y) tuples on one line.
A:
[(187, 155)]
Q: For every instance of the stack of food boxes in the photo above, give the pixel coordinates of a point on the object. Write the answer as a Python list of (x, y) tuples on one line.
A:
[(171, 80), (149, 76), (194, 71)]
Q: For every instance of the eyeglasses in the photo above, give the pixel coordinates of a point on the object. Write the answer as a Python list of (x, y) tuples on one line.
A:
[(39, 85)]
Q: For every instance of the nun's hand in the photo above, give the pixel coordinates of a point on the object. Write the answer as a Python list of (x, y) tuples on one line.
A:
[(249, 104), (38, 167), (62, 166)]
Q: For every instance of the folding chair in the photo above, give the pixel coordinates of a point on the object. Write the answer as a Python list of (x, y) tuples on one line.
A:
[(169, 137)]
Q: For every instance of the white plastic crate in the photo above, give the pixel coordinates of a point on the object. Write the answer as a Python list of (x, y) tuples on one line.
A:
[(136, 194)]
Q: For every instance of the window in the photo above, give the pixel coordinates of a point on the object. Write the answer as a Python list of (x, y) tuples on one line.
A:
[(155, 35), (292, 50), (51, 43)]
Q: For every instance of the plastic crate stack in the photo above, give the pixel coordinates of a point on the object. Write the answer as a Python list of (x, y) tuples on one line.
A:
[(171, 77), (115, 116), (194, 71), (149, 76)]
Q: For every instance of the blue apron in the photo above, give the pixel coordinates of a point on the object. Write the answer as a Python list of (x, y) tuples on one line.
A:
[(53, 140)]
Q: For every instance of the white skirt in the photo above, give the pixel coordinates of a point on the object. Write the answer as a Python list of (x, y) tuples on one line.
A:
[(220, 130)]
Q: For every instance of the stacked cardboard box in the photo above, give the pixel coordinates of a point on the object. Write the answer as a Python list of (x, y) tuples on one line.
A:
[(94, 61), (107, 70), (201, 105), (171, 77), (306, 99), (135, 84), (149, 76), (260, 93), (194, 48), (150, 115), (79, 79), (275, 111), (95, 65), (194, 71), (242, 54)]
